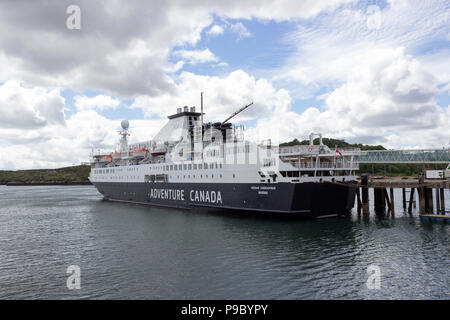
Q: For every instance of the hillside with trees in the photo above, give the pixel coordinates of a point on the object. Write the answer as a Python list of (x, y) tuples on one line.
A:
[(67, 175)]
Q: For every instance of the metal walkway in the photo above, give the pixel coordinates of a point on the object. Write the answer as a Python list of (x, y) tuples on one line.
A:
[(404, 156)]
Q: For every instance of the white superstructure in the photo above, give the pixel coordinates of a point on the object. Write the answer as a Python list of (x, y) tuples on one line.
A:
[(185, 150)]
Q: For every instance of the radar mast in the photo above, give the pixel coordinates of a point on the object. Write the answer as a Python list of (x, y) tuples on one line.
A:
[(124, 133)]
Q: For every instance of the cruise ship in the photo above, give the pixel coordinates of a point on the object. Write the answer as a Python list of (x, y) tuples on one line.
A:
[(192, 164)]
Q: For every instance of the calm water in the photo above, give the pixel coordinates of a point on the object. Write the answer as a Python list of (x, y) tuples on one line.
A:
[(127, 251)]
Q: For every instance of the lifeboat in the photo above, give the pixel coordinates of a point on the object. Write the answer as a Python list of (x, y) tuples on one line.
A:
[(158, 150), (140, 153), (117, 155), (106, 158)]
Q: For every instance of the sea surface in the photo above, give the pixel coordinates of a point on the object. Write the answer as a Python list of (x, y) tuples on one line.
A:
[(135, 252)]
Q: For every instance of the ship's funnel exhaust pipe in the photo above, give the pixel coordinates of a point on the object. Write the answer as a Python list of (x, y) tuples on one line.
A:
[(311, 138)]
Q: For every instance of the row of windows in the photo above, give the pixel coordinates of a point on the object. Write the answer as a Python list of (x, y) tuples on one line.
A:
[(104, 171), (184, 177), (192, 166), (201, 176), (109, 170), (172, 167)]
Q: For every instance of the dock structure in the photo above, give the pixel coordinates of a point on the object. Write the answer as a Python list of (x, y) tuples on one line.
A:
[(429, 207), (433, 156)]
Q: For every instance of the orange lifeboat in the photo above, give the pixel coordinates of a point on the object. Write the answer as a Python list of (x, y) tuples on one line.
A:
[(117, 155), (140, 152), (107, 158)]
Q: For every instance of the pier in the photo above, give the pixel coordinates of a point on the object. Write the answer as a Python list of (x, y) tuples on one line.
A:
[(428, 192)]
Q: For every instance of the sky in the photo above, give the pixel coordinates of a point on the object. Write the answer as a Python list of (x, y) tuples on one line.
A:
[(372, 72)]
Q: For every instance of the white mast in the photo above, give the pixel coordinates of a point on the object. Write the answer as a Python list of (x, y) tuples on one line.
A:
[(201, 117), (124, 133)]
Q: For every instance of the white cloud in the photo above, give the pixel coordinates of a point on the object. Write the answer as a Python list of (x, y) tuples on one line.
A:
[(388, 99), (240, 30), (55, 146), (221, 64), (197, 56), (100, 102), (215, 30), (376, 91), (339, 42), (222, 96), (29, 108), (280, 10), (122, 49)]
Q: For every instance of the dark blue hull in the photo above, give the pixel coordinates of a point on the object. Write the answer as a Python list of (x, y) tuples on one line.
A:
[(300, 199)]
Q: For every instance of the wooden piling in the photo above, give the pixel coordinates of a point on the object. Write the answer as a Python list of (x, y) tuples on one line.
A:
[(391, 191), (358, 200), (365, 193), (429, 200), (386, 197), (379, 199), (411, 200), (441, 191), (422, 205), (438, 203), (404, 198)]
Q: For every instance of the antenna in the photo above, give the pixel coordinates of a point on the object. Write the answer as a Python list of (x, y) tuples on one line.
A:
[(237, 112), (201, 109), (201, 117)]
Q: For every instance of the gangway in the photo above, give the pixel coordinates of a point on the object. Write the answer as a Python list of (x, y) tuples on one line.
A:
[(404, 156)]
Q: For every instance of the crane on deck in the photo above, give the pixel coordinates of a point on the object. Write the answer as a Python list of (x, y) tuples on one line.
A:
[(236, 113)]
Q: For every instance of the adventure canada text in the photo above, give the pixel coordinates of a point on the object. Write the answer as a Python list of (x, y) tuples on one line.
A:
[(194, 195)]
